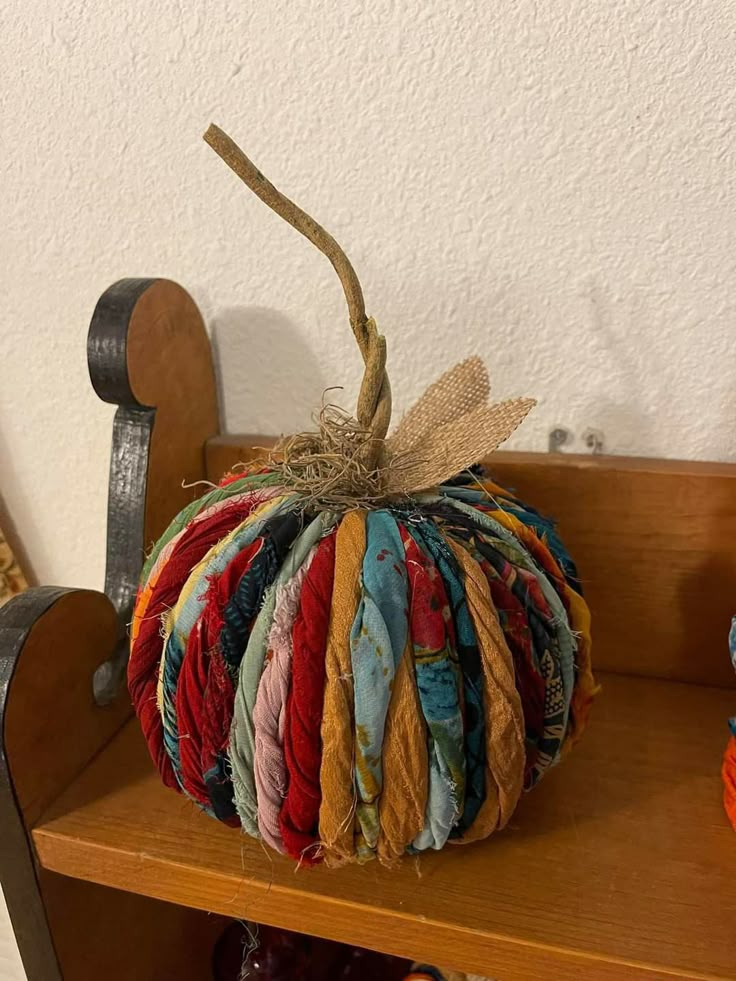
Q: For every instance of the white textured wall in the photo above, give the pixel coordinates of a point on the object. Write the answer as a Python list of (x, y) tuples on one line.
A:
[(548, 184)]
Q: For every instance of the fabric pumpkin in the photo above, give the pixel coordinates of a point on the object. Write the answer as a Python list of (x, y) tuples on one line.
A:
[(351, 652), (361, 684)]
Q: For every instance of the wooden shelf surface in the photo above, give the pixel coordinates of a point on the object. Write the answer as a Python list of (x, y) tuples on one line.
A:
[(620, 865)]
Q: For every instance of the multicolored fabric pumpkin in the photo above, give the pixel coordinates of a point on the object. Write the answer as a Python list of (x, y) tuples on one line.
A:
[(349, 652)]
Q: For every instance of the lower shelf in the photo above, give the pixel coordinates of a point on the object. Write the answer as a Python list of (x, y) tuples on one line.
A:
[(620, 865)]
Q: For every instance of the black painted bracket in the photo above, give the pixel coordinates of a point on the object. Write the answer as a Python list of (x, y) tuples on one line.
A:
[(131, 442)]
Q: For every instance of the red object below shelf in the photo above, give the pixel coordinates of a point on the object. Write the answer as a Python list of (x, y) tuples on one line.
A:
[(261, 953)]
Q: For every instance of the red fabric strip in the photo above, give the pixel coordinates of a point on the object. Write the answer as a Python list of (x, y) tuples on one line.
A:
[(145, 655), (299, 815), (728, 772)]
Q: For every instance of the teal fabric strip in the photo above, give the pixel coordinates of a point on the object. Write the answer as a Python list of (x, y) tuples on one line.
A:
[(471, 671), (438, 680), (377, 642)]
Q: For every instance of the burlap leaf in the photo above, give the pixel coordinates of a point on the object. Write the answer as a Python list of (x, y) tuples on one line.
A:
[(455, 392), (455, 445)]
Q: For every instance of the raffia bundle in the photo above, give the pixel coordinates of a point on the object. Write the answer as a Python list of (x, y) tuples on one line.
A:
[(362, 646)]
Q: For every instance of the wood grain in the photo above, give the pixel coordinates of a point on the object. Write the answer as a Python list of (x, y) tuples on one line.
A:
[(52, 685), (170, 367), (653, 540), (120, 936), (226, 451), (621, 865)]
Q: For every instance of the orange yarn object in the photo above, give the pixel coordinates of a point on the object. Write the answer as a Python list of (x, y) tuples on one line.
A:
[(728, 772)]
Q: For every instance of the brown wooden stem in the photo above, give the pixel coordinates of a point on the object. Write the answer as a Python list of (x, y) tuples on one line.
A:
[(374, 403), (247, 171)]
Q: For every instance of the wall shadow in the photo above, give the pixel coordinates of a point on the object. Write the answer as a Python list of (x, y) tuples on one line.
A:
[(269, 379)]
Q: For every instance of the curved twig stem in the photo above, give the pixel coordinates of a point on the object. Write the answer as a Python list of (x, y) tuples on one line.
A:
[(374, 400), (247, 171)]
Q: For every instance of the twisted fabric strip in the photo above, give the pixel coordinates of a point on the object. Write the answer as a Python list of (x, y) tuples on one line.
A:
[(299, 815), (504, 722), (337, 805), (377, 642), (728, 773), (280, 609), (435, 667)]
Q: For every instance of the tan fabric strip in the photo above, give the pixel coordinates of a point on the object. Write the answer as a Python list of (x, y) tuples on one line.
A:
[(502, 706), (337, 770), (404, 759)]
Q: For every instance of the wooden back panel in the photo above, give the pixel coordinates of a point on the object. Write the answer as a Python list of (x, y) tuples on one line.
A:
[(655, 544)]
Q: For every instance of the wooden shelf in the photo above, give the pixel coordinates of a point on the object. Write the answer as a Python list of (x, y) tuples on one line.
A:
[(620, 865)]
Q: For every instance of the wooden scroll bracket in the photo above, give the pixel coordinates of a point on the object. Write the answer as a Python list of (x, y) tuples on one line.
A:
[(148, 353), (63, 652), (51, 641)]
